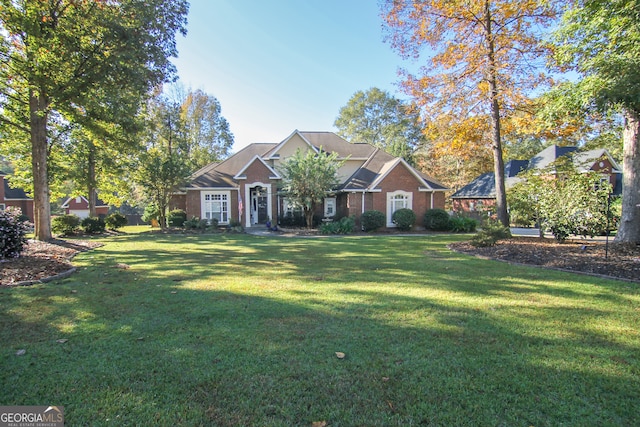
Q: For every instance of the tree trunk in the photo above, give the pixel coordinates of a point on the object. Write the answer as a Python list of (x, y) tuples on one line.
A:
[(39, 145), (92, 194), (308, 216), (496, 140), (629, 229)]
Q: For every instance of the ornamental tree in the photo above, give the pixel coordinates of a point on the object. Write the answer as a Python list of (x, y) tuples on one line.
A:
[(308, 176)]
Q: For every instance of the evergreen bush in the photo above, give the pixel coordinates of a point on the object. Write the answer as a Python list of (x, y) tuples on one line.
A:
[(344, 226), (151, 212), (12, 234), (177, 217), (462, 224), (65, 225), (115, 221), (372, 220), (436, 220), (93, 225), (491, 232), (404, 219)]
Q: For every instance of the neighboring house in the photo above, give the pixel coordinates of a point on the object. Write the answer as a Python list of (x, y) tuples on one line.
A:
[(480, 194), (15, 197), (79, 206), (247, 187)]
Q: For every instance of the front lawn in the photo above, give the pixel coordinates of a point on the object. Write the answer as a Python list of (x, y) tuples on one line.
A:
[(234, 330)]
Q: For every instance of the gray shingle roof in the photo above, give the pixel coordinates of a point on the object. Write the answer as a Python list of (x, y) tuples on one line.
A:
[(220, 175), (483, 187), (376, 163), (549, 155), (11, 193)]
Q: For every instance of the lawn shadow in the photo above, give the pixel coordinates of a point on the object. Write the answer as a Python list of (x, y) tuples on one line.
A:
[(171, 341)]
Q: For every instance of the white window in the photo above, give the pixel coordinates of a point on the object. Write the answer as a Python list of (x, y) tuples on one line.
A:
[(397, 200), (290, 208), (330, 206), (216, 206)]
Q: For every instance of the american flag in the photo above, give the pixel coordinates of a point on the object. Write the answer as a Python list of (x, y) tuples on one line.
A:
[(240, 205)]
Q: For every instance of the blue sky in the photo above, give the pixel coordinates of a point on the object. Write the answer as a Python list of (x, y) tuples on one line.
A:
[(280, 65)]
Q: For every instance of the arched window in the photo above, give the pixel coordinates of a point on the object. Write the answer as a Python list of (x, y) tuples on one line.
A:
[(397, 200)]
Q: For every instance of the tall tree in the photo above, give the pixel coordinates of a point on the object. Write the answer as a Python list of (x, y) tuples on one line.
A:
[(308, 176), (164, 165), (58, 54), (377, 118), (209, 138), (484, 59), (99, 163), (601, 41)]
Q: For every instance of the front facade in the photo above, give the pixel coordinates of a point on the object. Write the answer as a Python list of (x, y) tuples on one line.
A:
[(14, 197), (247, 187)]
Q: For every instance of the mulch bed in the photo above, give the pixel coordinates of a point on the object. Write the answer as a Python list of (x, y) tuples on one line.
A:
[(41, 260), (619, 261)]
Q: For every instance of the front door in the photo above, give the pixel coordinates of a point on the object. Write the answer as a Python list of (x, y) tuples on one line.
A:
[(259, 205)]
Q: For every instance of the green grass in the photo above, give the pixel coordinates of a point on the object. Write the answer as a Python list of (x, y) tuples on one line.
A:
[(233, 330)]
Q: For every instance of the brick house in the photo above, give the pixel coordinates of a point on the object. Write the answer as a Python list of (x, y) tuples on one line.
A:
[(14, 197), (79, 206), (480, 194), (247, 186)]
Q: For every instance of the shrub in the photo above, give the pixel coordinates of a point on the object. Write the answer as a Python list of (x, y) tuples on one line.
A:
[(12, 231), (65, 225), (151, 212), (177, 217), (462, 224), (196, 223), (404, 219), (491, 232), (344, 226), (93, 225), (235, 225), (295, 219), (115, 220), (372, 220), (436, 219)]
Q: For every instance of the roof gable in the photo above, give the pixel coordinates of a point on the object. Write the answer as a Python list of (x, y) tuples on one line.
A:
[(221, 175), (85, 201), (240, 174), (585, 160), (378, 167), (290, 145)]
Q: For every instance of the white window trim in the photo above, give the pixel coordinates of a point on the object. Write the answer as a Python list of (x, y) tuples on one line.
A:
[(329, 201), (289, 207), (3, 206), (390, 199), (203, 212)]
